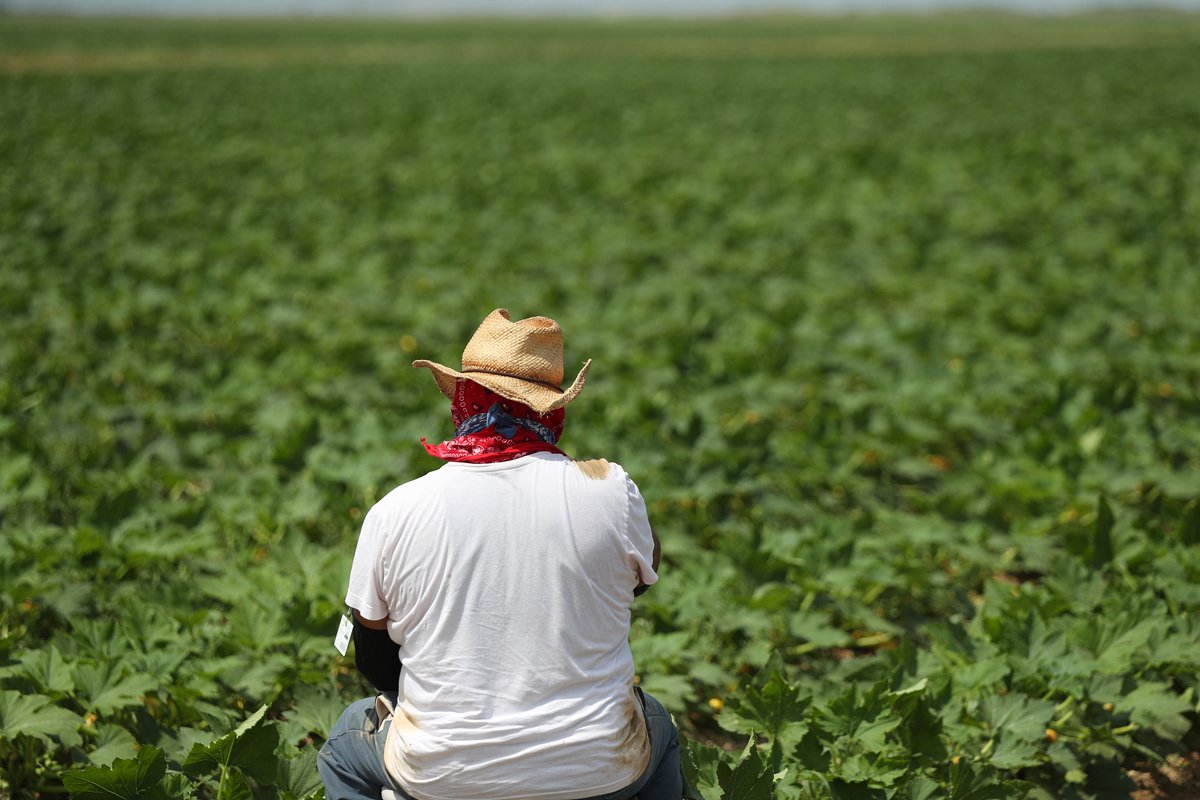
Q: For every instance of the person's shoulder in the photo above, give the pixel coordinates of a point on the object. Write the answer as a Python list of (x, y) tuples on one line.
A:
[(598, 470), (404, 494)]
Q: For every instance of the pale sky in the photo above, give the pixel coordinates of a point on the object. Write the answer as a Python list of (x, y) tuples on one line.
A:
[(603, 8)]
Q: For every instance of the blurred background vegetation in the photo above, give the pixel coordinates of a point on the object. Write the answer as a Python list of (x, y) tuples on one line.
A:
[(892, 318)]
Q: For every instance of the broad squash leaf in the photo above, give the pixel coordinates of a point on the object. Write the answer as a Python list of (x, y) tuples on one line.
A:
[(298, 778), (771, 706), (251, 748), (1189, 528), (1017, 724), (1158, 706), (750, 778), (34, 715), (1102, 541), (48, 671), (316, 710), (108, 687), (113, 742), (233, 786), (126, 779)]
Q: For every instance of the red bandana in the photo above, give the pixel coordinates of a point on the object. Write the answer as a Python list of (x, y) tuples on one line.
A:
[(486, 413)]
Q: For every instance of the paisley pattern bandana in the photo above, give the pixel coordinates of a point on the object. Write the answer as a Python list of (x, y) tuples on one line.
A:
[(490, 428)]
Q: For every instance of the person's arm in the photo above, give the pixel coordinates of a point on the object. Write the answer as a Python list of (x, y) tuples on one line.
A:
[(375, 654), (641, 587)]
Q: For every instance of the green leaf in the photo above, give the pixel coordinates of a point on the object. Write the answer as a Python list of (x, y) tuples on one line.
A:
[(175, 786), (965, 784), (921, 733), (233, 786), (255, 673), (699, 764), (1189, 529), (749, 779), (773, 707), (853, 790), (1018, 725), (671, 690), (33, 715), (814, 628), (865, 721), (1102, 542), (1016, 715), (126, 779), (874, 769), (108, 687), (917, 688), (1119, 650), (872, 734), (48, 671), (317, 710), (811, 752), (298, 778), (112, 742), (1011, 753), (251, 748), (922, 788), (1158, 706)]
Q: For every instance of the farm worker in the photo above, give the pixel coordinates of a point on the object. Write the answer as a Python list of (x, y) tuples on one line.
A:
[(503, 581)]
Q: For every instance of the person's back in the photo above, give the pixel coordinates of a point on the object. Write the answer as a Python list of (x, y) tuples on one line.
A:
[(514, 581), (491, 600)]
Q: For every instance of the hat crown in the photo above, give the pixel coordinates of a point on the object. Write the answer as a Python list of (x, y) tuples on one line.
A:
[(521, 360), (531, 348)]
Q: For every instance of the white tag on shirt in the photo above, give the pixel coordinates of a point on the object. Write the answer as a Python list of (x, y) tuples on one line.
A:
[(342, 640)]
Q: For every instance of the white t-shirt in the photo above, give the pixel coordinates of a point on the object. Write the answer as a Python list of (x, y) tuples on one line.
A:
[(508, 588)]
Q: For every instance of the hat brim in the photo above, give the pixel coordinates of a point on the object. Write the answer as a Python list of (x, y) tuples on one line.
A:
[(541, 397)]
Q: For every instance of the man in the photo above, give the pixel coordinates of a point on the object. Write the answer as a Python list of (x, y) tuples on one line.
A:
[(502, 582)]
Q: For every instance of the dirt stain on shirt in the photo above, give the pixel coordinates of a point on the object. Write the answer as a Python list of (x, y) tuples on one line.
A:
[(596, 468), (633, 753)]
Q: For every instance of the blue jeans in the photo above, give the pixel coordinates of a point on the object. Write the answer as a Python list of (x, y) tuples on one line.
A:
[(351, 761)]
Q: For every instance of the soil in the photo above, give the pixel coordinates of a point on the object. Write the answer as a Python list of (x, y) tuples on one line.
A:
[(703, 728), (1177, 779)]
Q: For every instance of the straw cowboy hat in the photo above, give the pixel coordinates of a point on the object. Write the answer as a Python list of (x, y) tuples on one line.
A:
[(521, 360)]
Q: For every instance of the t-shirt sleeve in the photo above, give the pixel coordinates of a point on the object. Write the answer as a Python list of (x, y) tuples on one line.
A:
[(638, 536), (365, 592)]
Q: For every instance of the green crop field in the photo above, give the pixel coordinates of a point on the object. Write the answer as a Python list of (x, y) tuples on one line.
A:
[(895, 320)]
